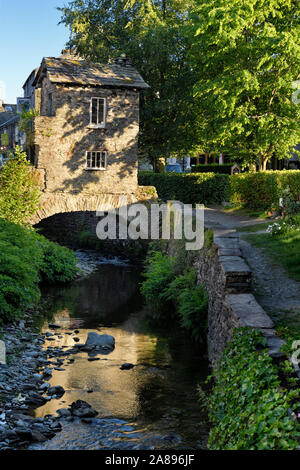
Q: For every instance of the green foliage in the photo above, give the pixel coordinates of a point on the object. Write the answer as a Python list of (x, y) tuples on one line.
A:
[(212, 168), (247, 57), (260, 191), (171, 289), (159, 273), (20, 258), (26, 258), (290, 203), (58, 262), (19, 192), (256, 191), (248, 408), (221, 74), (208, 238), (191, 302), (25, 124), (202, 188), (284, 248)]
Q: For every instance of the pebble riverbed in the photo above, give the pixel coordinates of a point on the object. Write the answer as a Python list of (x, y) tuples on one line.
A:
[(57, 394)]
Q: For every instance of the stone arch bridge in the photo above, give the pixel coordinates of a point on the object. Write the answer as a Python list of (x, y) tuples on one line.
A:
[(60, 203)]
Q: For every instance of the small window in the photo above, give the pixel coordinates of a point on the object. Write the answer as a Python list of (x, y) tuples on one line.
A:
[(96, 160), (98, 112)]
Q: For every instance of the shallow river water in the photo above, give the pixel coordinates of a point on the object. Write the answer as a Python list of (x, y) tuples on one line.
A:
[(152, 406)]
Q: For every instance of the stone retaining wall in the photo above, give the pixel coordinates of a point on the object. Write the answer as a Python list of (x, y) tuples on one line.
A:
[(227, 278)]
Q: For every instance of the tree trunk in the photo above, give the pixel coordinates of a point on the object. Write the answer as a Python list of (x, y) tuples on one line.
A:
[(263, 160)]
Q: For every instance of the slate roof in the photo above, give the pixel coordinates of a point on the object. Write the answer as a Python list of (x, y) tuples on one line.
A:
[(80, 72)]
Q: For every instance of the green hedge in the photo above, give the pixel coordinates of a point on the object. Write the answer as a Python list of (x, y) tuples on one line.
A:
[(257, 191), (213, 168), (191, 188), (262, 190)]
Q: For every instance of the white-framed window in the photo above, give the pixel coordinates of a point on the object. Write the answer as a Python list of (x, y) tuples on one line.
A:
[(96, 160), (98, 112)]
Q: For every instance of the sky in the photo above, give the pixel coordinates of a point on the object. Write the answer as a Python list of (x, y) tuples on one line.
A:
[(29, 31)]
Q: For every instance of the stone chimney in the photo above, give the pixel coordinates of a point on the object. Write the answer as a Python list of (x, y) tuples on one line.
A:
[(123, 61), (69, 54)]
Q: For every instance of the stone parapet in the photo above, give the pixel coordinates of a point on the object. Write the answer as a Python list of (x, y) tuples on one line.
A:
[(227, 279)]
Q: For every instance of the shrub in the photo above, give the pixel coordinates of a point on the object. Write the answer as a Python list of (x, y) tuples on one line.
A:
[(159, 273), (20, 258), (26, 258), (262, 190), (256, 191), (170, 291), (19, 192), (192, 188), (58, 263), (247, 408), (191, 302), (213, 168)]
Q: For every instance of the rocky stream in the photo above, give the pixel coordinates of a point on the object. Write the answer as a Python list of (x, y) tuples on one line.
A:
[(88, 372)]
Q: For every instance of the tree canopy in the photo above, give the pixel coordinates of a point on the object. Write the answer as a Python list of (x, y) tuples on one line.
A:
[(221, 73), (248, 53)]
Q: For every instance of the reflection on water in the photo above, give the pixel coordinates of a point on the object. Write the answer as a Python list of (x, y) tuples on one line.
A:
[(108, 294), (158, 394)]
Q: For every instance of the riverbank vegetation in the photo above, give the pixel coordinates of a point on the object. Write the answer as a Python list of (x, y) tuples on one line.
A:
[(19, 191), (253, 404), (170, 288), (26, 260), (26, 257)]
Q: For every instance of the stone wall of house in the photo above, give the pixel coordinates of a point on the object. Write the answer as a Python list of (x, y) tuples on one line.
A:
[(227, 278), (62, 140)]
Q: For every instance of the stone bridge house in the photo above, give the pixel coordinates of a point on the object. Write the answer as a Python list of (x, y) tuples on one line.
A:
[(85, 133)]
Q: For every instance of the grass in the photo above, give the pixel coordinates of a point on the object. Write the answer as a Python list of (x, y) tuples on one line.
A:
[(239, 210), (256, 227), (285, 249)]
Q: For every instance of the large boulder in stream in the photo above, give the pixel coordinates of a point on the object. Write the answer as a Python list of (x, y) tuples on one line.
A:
[(104, 343), (82, 409)]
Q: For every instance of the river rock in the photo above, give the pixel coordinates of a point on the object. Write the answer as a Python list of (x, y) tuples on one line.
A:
[(35, 399), (100, 341), (56, 390), (63, 412), (82, 409), (53, 326), (126, 366), (2, 353), (47, 373)]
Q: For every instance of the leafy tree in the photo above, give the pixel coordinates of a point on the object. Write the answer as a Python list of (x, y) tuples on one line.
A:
[(247, 53), (152, 34), (19, 192)]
